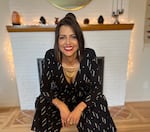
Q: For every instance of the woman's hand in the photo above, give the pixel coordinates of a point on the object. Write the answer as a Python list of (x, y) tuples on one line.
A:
[(64, 110), (64, 113), (74, 117)]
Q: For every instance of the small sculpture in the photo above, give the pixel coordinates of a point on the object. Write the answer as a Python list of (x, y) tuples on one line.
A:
[(15, 18), (100, 19), (42, 20), (56, 20), (116, 14), (86, 21)]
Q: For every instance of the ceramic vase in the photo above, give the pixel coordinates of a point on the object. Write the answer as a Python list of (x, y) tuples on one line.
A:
[(100, 19), (86, 21), (15, 18)]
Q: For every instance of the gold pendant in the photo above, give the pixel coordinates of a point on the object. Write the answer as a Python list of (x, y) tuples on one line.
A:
[(70, 74)]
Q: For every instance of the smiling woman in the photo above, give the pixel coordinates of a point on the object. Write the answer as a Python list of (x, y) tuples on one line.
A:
[(69, 4)]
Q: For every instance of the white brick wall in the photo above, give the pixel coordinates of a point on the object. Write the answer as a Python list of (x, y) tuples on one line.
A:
[(29, 46)]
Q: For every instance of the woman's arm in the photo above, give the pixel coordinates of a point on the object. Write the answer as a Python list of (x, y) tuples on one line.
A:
[(95, 79), (48, 87), (64, 111), (74, 116)]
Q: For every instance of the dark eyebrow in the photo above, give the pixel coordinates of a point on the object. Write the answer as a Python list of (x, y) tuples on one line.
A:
[(65, 35)]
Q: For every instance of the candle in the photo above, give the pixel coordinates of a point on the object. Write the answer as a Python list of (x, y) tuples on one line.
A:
[(117, 5), (112, 5), (121, 4)]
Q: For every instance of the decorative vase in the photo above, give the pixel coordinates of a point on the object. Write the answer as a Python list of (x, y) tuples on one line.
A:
[(42, 20), (15, 18), (100, 19), (86, 21), (56, 20)]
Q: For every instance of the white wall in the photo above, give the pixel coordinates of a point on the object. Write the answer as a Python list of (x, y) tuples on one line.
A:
[(8, 90), (138, 85), (31, 10)]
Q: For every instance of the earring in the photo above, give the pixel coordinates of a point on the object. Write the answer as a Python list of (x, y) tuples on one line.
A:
[(79, 53), (59, 56)]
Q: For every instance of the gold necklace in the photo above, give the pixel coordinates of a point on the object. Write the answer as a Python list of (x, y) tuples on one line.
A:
[(70, 72)]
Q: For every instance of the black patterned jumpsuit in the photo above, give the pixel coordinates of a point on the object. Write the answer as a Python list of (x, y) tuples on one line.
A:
[(87, 87)]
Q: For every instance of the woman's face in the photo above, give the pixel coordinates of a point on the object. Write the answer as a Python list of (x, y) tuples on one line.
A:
[(67, 42)]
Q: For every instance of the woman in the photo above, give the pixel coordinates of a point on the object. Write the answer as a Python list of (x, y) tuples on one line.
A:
[(70, 87)]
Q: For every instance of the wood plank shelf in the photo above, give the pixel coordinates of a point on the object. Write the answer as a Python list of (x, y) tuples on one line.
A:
[(49, 28)]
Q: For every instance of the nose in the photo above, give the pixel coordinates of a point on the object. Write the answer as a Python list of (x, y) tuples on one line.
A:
[(67, 40)]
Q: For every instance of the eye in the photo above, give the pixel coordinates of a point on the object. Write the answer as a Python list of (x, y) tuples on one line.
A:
[(74, 36), (61, 37)]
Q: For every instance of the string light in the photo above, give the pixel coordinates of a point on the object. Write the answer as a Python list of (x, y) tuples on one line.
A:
[(131, 57), (10, 60)]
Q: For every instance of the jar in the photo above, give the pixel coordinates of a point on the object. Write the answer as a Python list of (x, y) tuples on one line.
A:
[(100, 19), (86, 21), (15, 18)]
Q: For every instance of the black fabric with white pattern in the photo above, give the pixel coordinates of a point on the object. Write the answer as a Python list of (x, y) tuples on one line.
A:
[(87, 87)]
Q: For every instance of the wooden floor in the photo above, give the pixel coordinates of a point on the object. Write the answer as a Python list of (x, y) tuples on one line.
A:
[(133, 117)]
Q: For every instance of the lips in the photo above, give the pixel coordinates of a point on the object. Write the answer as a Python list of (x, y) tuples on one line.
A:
[(68, 48)]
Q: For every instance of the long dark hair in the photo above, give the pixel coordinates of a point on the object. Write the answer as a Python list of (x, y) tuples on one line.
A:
[(69, 20)]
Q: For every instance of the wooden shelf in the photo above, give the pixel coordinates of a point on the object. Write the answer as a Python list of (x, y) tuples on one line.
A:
[(48, 28)]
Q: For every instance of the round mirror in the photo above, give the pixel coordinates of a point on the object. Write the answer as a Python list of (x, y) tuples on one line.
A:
[(69, 4)]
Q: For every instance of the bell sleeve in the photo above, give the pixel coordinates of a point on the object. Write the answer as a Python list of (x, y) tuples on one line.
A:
[(95, 92), (48, 87)]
